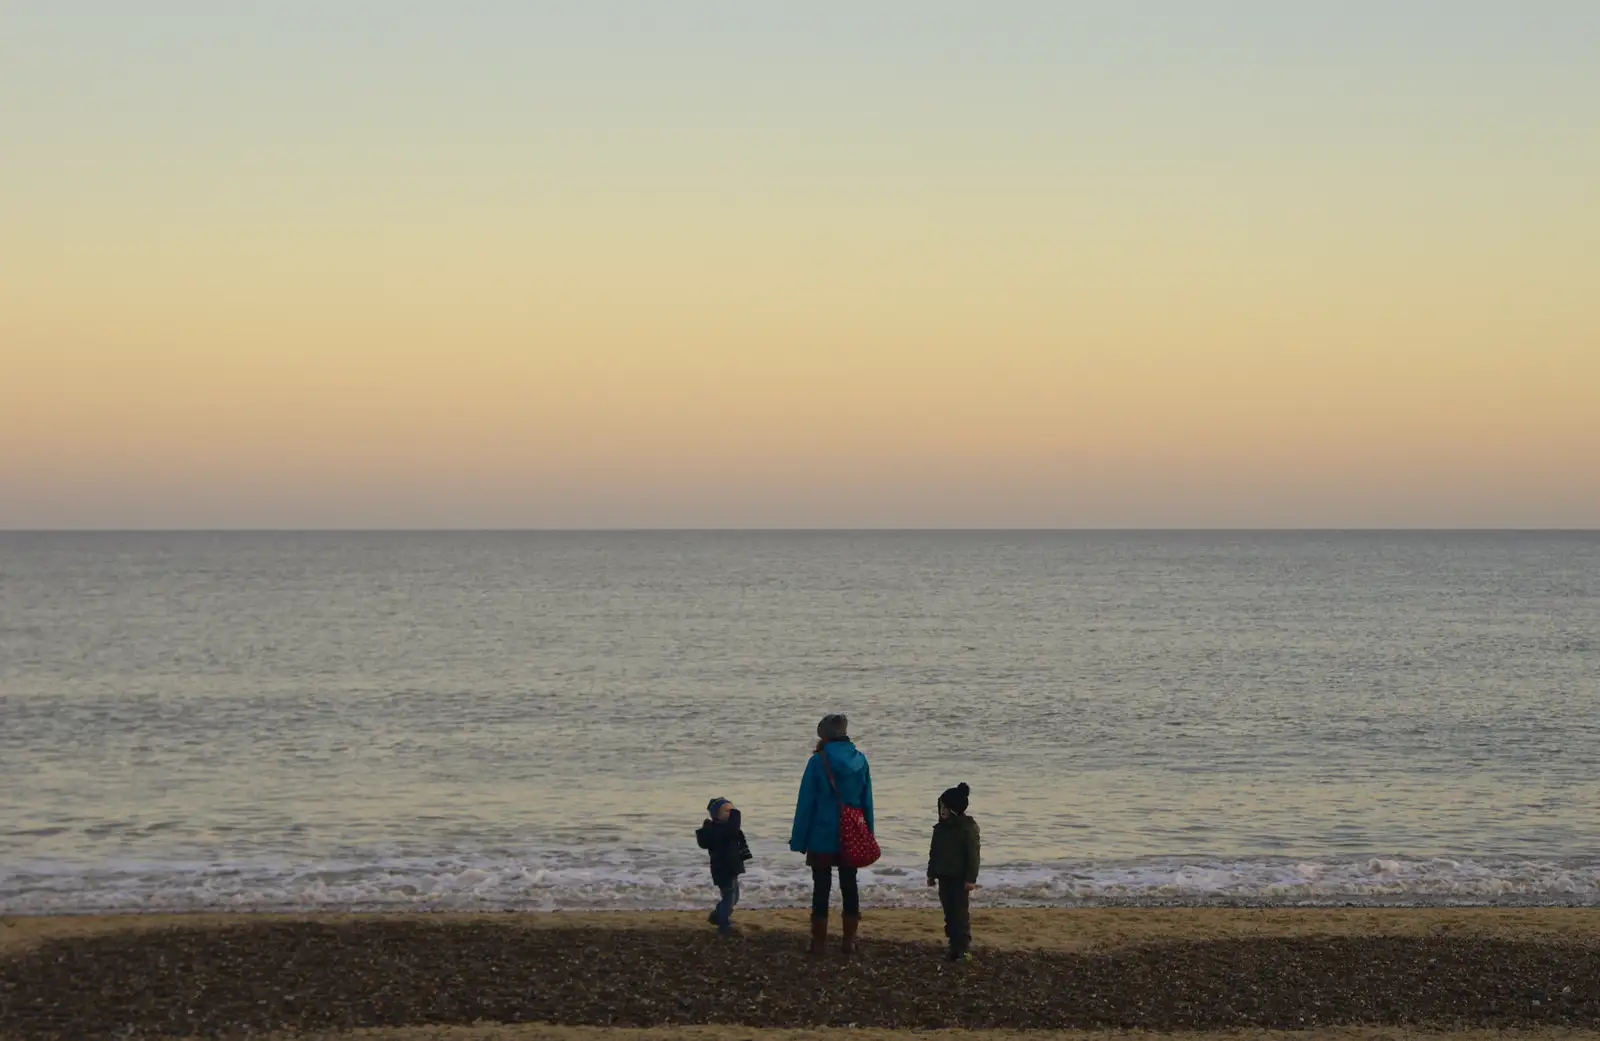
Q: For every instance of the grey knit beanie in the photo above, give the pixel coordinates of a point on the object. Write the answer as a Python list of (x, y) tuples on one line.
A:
[(834, 727)]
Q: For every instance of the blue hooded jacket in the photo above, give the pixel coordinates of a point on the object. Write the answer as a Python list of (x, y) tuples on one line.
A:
[(816, 813)]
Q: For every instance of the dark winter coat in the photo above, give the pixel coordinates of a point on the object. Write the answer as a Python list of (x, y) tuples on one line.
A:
[(954, 852), (725, 841)]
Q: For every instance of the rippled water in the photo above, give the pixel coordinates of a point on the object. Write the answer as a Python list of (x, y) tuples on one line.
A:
[(537, 720)]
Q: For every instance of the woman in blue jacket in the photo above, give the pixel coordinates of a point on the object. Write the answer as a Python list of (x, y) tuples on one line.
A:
[(816, 827)]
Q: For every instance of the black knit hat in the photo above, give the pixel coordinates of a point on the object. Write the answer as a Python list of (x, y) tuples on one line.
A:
[(714, 805), (955, 799)]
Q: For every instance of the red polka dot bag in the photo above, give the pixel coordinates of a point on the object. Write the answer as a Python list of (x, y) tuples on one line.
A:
[(858, 847)]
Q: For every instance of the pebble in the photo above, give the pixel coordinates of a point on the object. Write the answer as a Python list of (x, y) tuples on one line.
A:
[(307, 976)]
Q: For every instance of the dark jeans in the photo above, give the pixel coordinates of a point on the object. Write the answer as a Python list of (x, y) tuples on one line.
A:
[(822, 889), (723, 915), (957, 904)]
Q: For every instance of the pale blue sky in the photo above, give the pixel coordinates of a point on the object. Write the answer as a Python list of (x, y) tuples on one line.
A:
[(128, 80)]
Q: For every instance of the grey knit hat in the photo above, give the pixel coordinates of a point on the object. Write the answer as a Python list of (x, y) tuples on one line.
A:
[(834, 727)]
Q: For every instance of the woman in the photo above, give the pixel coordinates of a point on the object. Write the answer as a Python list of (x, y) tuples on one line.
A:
[(816, 826)]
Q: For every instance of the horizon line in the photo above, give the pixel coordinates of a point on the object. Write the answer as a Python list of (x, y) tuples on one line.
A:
[(840, 530)]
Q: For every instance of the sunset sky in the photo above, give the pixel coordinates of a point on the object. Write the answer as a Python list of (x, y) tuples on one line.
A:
[(1038, 263)]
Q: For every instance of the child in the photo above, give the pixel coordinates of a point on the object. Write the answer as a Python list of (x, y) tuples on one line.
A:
[(953, 867), (722, 836)]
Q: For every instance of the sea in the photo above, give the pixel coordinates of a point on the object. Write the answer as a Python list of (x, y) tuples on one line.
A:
[(536, 721)]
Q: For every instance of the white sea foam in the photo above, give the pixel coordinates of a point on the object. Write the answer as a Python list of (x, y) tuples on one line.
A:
[(644, 881)]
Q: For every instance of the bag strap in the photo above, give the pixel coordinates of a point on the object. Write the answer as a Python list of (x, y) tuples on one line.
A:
[(822, 753)]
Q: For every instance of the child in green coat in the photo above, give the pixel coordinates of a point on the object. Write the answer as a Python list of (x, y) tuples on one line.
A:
[(953, 867)]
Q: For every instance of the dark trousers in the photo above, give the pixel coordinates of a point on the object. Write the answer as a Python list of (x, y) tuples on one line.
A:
[(822, 889), (957, 904)]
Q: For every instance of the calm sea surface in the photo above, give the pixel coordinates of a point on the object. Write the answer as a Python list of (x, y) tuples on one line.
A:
[(537, 720)]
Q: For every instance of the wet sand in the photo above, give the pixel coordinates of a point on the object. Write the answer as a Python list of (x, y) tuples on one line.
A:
[(1356, 973)]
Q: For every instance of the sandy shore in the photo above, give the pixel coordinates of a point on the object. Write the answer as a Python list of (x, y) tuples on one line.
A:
[(1007, 928), (1359, 974)]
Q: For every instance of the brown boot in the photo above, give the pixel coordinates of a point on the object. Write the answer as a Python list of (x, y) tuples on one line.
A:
[(848, 947), (819, 937)]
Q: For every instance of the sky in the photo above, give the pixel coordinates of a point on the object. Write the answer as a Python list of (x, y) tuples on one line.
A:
[(589, 264)]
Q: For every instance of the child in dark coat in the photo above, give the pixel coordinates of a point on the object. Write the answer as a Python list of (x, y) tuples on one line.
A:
[(723, 838), (953, 866)]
